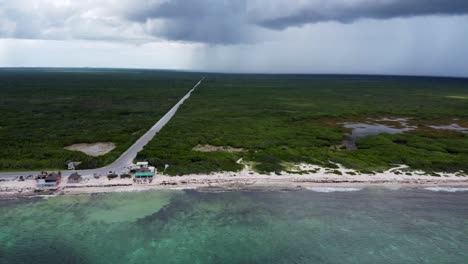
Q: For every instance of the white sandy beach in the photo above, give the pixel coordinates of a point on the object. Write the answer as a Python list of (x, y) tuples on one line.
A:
[(245, 179)]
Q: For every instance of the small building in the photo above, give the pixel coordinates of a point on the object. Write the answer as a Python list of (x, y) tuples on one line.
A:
[(48, 180), (71, 165), (74, 178), (125, 176), (138, 166), (143, 170), (143, 164), (112, 175), (144, 174)]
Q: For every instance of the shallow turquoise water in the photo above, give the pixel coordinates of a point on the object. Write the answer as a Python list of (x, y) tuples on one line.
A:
[(374, 225)]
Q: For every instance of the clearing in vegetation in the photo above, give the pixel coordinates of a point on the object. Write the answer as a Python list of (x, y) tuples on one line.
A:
[(298, 118), (94, 149), (210, 148)]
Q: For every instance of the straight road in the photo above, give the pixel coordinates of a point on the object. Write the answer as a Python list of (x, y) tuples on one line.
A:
[(126, 159)]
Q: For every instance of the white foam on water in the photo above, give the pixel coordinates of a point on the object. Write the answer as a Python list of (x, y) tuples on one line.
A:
[(446, 189), (182, 188), (333, 189), (43, 196)]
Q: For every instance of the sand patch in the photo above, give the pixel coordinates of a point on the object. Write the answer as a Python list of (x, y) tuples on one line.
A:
[(93, 149), (453, 127), (458, 97), (211, 148)]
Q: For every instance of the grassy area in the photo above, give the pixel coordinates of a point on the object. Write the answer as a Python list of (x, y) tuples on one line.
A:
[(44, 110), (279, 119)]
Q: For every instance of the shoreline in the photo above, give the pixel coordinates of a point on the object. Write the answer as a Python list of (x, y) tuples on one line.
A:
[(245, 180)]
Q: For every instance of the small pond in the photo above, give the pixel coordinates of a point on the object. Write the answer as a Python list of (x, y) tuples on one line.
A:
[(362, 130)]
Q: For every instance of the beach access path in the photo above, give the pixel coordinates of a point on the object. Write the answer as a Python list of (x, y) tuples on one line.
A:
[(126, 159)]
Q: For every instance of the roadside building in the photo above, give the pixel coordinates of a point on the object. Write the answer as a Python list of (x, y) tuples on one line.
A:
[(143, 164), (125, 176), (48, 180), (143, 170), (144, 173), (138, 166), (112, 175), (71, 165)]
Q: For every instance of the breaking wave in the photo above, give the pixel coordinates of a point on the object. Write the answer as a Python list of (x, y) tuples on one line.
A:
[(333, 189), (446, 189)]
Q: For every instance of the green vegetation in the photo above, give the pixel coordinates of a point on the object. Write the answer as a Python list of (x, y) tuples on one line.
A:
[(44, 110), (280, 119)]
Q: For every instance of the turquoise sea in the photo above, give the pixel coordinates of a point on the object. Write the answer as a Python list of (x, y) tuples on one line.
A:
[(324, 225)]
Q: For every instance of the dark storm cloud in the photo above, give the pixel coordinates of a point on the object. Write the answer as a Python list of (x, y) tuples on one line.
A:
[(349, 11), (233, 21), (188, 9), (212, 21), (202, 21)]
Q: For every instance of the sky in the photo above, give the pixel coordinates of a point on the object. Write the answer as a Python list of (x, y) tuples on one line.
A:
[(408, 37)]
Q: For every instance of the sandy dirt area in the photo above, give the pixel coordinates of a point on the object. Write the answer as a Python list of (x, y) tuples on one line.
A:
[(14, 187), (303, 176), (93, 149), (211, 148)]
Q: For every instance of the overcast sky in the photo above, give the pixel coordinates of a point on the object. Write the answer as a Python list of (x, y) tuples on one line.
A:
[(412, 37)]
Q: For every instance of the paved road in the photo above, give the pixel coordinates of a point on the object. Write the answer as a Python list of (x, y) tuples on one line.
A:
[(128, 156)]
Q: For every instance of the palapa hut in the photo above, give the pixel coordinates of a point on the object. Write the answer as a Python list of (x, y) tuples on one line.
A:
[(112, 175), (74, 178)]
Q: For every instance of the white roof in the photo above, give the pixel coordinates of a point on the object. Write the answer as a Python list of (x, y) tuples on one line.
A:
[(142, 163)]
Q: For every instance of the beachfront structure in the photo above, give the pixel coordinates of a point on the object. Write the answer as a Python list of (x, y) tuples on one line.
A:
[(144, 174), (144, 171), (44, 179), (138, 166), (74, 178), (112, 175), (142, 164), (125, 176)]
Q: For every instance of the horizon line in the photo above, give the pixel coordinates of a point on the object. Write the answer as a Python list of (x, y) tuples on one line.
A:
[(240, 73)]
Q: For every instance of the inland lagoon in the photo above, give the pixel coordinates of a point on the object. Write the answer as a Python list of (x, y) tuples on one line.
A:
[(362, 130), (318, 225)]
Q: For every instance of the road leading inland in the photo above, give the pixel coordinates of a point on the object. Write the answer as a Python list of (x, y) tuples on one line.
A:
[(128, 156)]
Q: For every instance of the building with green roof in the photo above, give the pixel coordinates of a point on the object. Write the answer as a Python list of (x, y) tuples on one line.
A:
[(144, 174)]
